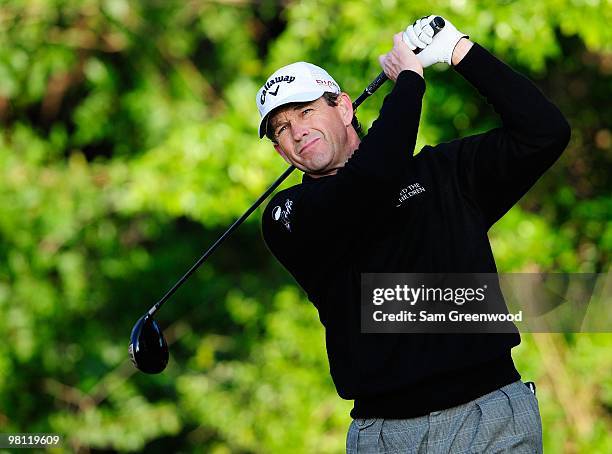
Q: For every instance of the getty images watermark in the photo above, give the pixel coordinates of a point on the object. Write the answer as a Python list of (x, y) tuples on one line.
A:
[(486, 302)]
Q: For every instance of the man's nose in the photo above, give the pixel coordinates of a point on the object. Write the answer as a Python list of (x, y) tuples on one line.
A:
[(299, 130)]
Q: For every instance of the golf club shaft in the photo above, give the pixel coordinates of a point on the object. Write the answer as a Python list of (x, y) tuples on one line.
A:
[(217, 243), (437, 24)]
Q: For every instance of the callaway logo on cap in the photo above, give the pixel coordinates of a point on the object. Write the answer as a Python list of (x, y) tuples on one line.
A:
[(297, 82)]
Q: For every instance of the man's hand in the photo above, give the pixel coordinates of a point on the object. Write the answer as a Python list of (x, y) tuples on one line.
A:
[(436, 49), (399, 59)]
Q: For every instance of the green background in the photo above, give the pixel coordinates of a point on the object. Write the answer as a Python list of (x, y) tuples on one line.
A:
[(128, 143)]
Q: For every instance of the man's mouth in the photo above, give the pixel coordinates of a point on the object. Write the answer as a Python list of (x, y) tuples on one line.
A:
[(308, 145)]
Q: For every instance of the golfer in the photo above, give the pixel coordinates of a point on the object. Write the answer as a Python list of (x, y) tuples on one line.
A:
[(433, 393)]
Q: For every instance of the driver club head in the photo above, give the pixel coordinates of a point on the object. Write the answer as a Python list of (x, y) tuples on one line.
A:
[(148, 349)]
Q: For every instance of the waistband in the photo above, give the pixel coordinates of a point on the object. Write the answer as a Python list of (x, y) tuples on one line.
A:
[(440, 393)]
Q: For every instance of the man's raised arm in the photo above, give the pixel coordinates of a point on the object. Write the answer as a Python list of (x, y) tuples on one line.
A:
[(498, 167)]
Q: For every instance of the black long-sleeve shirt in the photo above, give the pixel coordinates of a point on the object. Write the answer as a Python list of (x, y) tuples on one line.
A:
[(327, 231)]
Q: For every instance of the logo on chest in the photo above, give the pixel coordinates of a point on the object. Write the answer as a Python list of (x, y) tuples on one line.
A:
[(278, 214), (408, 192)]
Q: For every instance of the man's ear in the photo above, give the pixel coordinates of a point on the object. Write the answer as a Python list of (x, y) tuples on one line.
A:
[(346, 108), (280, 151)]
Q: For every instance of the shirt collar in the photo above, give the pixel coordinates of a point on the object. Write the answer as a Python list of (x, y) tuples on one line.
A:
[(307, 179)]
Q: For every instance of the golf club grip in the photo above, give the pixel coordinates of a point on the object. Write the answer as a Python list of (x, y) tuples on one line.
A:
[(437, 24)]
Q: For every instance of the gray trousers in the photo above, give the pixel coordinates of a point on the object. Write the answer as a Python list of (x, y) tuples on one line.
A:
[(505, 420)]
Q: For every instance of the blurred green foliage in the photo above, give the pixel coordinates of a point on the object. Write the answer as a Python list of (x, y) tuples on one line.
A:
[(128, 143)]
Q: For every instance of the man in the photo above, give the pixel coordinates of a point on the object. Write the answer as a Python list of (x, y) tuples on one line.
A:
[(417, 392)]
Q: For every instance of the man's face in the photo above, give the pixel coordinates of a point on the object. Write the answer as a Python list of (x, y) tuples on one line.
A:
[(313, 136)]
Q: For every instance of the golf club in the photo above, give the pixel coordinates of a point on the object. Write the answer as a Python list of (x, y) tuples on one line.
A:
[(148, 348)]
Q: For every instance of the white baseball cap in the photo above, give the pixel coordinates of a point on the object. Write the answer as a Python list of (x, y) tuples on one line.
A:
[(297, 82)]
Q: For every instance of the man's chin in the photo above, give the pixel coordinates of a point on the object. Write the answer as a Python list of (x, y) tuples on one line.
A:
[(320, 172), (316, 167)]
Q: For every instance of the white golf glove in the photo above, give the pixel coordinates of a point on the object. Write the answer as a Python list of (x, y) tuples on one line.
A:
[(436, 49)]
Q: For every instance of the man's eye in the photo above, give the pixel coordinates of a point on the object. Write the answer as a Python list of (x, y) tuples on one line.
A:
[(280, 129), (308, 109)]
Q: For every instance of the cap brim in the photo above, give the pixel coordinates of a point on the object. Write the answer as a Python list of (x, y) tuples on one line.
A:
[(299, 97)]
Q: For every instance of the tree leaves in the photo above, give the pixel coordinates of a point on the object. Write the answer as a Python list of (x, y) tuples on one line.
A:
[(129, 143)]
